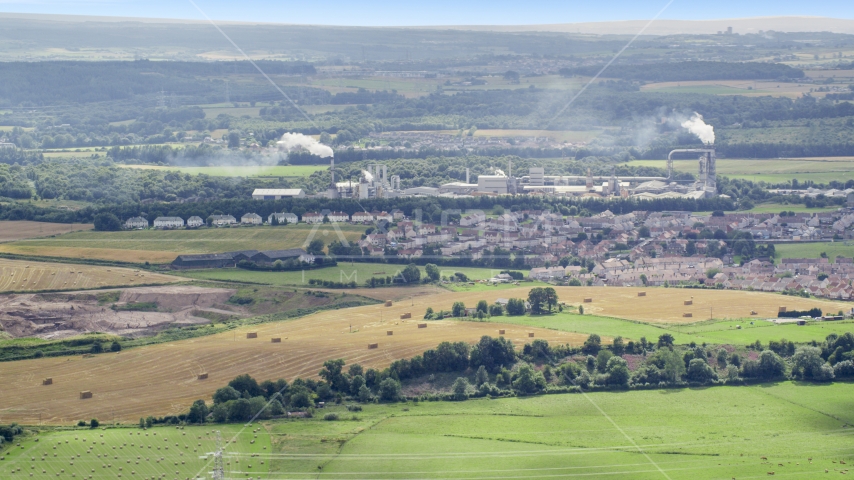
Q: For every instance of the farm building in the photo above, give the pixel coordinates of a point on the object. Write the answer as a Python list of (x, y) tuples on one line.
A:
[(269, 256), (283, 218), (251, 219), (195, 222), (207, 260), (242, 255), (362, 217), (168, 222), (277, 193), (312, 217), (338, 217), (134, 223), (221, 220)]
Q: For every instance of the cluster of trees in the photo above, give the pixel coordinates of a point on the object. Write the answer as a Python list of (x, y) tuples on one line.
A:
[(13, 182), (9, 432)]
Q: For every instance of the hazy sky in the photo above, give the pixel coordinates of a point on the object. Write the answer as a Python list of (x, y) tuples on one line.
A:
[(435, 12)]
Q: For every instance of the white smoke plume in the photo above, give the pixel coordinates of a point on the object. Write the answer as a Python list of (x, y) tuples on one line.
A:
[(698, 127), (368, 177), (499, 171), (291, 141)]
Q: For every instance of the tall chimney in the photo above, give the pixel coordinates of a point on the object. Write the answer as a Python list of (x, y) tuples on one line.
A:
[(467, 174), (332, 169)]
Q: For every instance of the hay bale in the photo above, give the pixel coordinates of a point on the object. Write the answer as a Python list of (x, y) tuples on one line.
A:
[(202, 376), (388, 303), (276, 340), (372, 346), (85, 394), (389, 332), (530, 334), (802, 322), (422, 325), (501, 332), (687, 315), (641, 294), (404, 316), (688, 302), (588, 300), (753, 312), (781, 309), (47, 381), (252, 335)]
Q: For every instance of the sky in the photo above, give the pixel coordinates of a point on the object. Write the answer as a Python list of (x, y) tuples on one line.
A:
[(435, 12)]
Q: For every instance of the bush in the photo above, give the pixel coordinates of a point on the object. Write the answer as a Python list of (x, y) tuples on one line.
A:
[(844, 369), (115, 347), (699, 371), (107, 222), (94, 423), (330, 417), (389, 390)]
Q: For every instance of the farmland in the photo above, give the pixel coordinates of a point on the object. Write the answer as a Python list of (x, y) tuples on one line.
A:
[(161, 379), (162, 246), (344, 272), (21, 229), (242, 170), (814, 250), (27, 276), (780, 170), (724, 432)]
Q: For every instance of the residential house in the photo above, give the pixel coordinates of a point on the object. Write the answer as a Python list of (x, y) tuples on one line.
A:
[(222, 220), (168, 222), (195, 222), (283, 218), (134, 223), (251, 219), (312, 217)]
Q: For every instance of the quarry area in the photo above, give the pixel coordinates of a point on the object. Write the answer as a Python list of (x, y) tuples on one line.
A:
[(129, 312)]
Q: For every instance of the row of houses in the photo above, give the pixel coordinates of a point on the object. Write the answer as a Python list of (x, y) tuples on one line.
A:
[(135, 223)]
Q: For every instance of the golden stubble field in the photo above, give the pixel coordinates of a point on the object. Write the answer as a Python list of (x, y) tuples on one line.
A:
[(162, 379), (27, 276)]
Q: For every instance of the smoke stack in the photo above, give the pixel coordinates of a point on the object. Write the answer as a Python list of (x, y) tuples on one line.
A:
[(385, 174), (332, 169), (467, 175)]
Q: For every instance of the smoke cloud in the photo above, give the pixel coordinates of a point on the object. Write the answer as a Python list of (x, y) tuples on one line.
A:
[(291, 141), (698, 127), (499, 171), (368, 177)]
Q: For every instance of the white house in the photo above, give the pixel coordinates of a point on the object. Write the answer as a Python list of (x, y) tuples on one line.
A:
[(136, 222), (338, 217), (362, 217), (383, 216), (312, 217), (168, 222), (251, 219), (221, 220), (283, 218), (194, 222), (277, 193)]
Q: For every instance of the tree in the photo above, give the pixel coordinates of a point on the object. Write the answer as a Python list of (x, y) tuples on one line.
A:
[(699, 371), (721, 358), (581, 309), (592, 345), (807, 364), (115, 347), (618, 347), (492, 353), (527, 381), (495, 310), (225, 394), (537, 297), (458, 309), (482, 306), (665, 340), (481, 376), (389, 390), (411, 274), (219, 413), (432, 271), (428, 313), (602, 360), (233, 140), (198, 412), (674, 366), (239, 410), (460, 388), (551, 297), (315, 247), (332, 373), (511, 76), (365, 395), (515, 306), (107, 222), (94, 423), (618, 371), (245, 383), (643, 279), (97, 347)]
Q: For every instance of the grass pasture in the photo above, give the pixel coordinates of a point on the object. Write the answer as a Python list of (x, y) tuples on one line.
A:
[(814, 250), (162, 246), (289, 171), (166, 452), (794, 431), (11, 230), (778, 170), (27, 276), (161, 379)]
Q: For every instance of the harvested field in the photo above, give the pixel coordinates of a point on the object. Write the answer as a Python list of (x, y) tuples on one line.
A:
[(163, 379), (12, 230), (23, 276), (62, 315)]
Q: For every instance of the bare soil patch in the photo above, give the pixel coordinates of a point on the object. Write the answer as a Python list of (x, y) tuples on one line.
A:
[(11, 230)]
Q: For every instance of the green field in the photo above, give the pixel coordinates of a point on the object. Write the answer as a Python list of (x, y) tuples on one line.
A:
[(234, 112), (135, 453), (713, 332), (778, 207), (778, 170), (242, 171), (814, 250), (703, 433), (344, 272)]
